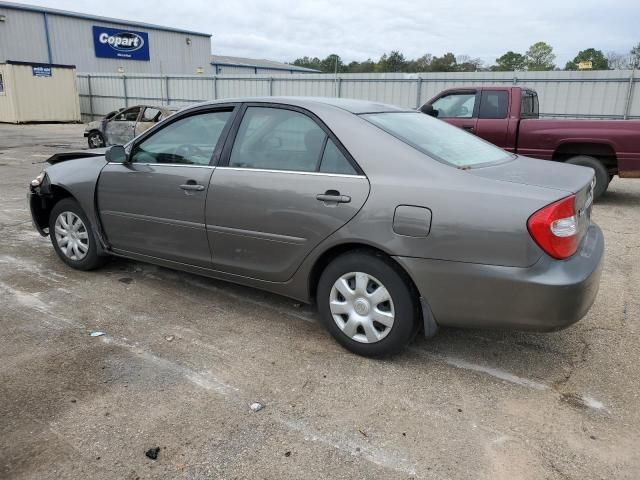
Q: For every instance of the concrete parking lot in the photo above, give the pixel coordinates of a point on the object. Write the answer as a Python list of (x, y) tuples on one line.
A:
[(183, 358)]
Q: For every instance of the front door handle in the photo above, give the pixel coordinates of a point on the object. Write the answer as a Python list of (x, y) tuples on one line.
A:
[(192, 186), (333, 196), (468, 128)]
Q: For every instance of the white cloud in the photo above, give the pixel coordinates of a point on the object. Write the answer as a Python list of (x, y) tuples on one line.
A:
[(284, 30)]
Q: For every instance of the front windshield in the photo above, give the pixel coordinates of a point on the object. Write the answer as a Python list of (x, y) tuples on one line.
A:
[(438, 139)]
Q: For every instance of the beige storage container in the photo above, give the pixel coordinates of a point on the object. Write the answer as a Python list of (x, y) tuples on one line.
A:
[(36, 92)]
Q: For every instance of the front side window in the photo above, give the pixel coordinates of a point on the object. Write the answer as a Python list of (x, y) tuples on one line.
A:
[(438, 139), (151, 115), (456, 105), (494, 104), (129, 115), (188, 141), (277, 139)]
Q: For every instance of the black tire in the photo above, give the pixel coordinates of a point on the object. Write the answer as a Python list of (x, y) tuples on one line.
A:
[(91, 260), (95, 139), (602, 175), (405, 302)]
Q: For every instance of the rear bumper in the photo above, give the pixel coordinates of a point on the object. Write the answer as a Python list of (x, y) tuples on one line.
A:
[(550, 295)]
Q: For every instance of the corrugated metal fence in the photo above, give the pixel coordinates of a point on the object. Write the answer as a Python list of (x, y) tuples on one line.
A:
[(597, 94)]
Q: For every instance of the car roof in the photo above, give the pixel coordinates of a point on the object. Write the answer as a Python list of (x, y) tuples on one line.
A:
[(348, 104)]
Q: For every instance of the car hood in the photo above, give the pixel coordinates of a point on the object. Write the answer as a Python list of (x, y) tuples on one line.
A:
[(539, 173), (63, 157)]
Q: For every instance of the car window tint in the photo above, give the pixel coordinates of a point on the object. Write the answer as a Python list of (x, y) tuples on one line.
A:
[(456, 105), (129, 115), (333, 161), (277, 139), (438, 139), (188, 141), (151, 115), (494, 104)]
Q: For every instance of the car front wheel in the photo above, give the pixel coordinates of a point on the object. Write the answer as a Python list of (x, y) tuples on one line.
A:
[(367, 304), (72, 236)]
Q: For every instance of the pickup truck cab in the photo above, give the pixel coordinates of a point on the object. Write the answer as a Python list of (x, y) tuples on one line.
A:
[(509, 118)]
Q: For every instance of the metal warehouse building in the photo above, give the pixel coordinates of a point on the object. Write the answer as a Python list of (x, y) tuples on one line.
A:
[(98, 44), (239, 65)]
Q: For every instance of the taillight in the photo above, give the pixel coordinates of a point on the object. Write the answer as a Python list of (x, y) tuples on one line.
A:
[(555, 228)]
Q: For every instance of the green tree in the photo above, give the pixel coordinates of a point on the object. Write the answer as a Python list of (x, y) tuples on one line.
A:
[(596, 57), (328, 65), (308, 62), (510, 62), (367, 66), (421, 64), (445, 63), (635, 56), (540, 57), (393, 62)]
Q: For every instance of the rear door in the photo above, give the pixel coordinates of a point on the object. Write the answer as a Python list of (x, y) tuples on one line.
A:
[(459, 108), (121, 128), (154, 205), (284, 184), (493, 119)]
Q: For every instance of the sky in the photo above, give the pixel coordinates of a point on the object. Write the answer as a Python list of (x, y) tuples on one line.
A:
[(284, 30)]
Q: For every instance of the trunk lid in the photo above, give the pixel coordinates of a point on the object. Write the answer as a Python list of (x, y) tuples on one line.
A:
[(572, 179)]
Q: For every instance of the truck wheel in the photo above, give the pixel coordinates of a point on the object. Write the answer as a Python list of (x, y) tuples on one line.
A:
[(602, 176)]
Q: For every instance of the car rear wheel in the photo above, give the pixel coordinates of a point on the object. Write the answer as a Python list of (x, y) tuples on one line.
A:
[(367, 304), (602, 175), (95, 140), (72, 236)]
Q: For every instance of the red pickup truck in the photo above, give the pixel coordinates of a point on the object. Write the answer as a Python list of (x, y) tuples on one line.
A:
[(508, 118)]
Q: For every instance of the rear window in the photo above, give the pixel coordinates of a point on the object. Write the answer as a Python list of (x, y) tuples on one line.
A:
[(438, 139)]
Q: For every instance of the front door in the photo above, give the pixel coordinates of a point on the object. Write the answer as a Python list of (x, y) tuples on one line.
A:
[(285, 186), (154, 204), (121, 128), (459, 108)]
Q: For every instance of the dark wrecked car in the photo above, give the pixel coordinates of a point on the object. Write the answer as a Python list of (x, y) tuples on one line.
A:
[(390, 220), (122, 126)]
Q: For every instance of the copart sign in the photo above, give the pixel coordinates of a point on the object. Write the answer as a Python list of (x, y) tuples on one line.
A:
[(122, 44)]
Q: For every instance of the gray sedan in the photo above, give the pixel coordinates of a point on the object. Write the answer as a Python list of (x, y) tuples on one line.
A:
[(393, 222)]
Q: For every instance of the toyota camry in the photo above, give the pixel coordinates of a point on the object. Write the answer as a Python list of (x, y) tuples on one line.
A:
[(391, 221)]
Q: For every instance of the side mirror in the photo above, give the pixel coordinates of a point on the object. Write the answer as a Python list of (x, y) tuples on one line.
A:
[(429, 110), (116, 154)]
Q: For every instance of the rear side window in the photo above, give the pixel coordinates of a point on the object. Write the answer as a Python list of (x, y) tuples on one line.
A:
[(333, 161), (494, 104), (438, 139), (151, 115), (277, 139), (529, 108)]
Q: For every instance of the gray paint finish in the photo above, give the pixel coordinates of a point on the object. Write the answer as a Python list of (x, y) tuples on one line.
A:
[(267, 229)]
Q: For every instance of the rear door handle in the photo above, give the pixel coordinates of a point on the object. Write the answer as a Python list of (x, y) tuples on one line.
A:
[(192, 186), (333, 196)]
